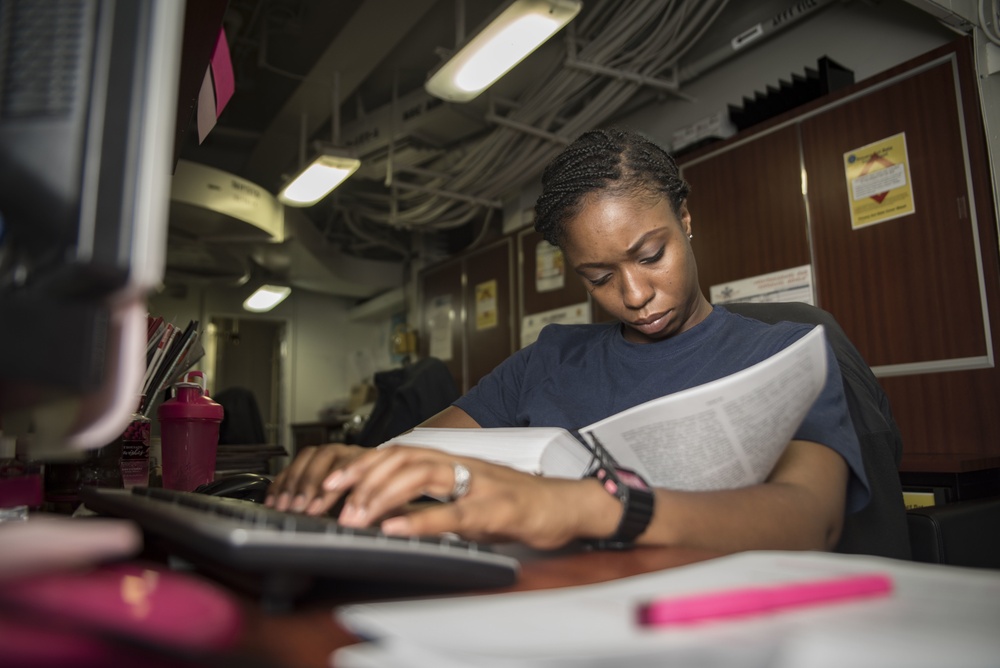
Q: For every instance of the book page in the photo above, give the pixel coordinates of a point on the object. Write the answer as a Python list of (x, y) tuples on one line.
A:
[(721, 435), (550, 451)]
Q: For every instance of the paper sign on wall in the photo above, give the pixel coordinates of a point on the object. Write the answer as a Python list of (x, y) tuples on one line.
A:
[(550, 268), (486, 305), (439, 317), (789, 285), (531, 325), (878, 182)]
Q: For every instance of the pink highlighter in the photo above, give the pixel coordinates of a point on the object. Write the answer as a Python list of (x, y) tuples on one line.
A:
[(735, 603)]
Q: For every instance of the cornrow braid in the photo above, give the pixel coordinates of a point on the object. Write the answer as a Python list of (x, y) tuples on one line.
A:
[(613, 161)]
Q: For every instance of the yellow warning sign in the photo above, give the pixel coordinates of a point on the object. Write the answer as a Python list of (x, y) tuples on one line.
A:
[(878, 182), (486, 305)]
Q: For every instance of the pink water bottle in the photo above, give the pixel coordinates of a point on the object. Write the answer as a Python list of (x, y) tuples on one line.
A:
[(189, 434)]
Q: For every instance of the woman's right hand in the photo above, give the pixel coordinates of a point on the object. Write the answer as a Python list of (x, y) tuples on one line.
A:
[(299, 487)]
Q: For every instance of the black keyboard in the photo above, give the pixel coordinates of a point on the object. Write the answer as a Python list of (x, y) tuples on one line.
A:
[(282, 551)]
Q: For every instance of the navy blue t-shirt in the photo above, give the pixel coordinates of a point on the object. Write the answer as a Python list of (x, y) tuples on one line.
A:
[(574, 375)]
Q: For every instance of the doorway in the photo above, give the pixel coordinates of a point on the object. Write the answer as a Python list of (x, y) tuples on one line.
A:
[(249, 354)]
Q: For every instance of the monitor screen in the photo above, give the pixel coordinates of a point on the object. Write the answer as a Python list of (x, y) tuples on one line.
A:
[(88, 105)]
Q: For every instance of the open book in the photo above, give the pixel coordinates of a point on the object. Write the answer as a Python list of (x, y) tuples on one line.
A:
[(724, 434)]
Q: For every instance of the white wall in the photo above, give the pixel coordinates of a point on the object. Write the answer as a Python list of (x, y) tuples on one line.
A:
[(331, 353)]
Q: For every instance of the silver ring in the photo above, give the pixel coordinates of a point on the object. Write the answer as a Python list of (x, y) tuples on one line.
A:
[(462, 480)]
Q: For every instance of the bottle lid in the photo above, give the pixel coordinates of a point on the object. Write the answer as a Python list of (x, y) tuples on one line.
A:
[(190, 401)]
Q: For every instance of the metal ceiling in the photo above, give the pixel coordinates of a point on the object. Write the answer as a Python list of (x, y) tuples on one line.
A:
[(294, 60), (352, 71)]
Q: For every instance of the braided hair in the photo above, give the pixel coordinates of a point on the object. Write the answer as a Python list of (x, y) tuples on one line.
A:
[(614, 161)]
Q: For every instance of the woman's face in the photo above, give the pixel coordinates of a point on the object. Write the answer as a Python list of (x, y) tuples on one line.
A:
[(635, 258)]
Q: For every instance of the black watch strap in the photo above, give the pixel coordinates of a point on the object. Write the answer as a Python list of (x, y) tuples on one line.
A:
[(630, 489), (637, 501)]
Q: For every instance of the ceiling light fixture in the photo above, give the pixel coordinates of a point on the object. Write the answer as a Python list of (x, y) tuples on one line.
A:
[(331, 166), (327, 171), (515, 32), (266, 297)]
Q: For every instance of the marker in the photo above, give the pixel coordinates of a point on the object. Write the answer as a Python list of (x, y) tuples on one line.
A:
[(757, 600)]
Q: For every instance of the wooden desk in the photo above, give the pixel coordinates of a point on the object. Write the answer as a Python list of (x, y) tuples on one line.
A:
[(305, 637), (317, 433)]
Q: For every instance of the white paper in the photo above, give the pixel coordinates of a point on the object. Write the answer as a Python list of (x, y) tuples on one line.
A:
[(531, 325), (551, 451), (725, 434), (936, 615), (439, 325), (550, 267), (46, 542), (789, 285)]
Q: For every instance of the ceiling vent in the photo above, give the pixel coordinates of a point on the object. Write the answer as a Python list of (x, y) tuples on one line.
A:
[(209, 204), (223, 226)]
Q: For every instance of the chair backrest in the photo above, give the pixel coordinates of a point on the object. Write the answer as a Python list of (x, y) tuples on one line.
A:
[(406, 397), (881, 527), (242, 423)]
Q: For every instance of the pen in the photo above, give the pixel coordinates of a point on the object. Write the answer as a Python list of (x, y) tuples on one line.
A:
[(756, 600)]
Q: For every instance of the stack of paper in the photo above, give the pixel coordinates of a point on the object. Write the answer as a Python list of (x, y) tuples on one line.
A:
[(170, 351), (550, 451), (935, 616)]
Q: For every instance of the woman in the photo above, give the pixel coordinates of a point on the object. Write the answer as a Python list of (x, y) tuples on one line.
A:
[(616, 205)]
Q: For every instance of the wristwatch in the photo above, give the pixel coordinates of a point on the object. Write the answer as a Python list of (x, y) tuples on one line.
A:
[(637, 505)]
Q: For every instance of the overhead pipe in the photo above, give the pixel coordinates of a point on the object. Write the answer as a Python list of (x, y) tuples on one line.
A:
[(471, 199), (671, 86), (752, 35), (495, 118)]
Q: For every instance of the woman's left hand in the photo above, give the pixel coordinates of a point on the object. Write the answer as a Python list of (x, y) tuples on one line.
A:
[(500, 504)]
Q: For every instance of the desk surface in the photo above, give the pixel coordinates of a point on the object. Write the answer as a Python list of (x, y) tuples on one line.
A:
[(305, 637)]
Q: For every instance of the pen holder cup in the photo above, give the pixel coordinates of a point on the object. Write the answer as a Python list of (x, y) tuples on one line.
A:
[(189, 437)]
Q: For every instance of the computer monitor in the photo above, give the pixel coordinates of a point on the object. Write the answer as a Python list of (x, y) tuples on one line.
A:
[(88, 104)]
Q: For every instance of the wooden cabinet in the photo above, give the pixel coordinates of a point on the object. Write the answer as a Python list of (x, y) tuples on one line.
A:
[(472, 306), (533, 298), (918, 273), (468, 311), (316, 433), (916, 293), (442, 330), (748, 215), (490, 324)]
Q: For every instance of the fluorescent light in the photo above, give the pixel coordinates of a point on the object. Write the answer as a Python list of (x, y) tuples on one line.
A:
[(266, 297), (315, 181), (517, 31)]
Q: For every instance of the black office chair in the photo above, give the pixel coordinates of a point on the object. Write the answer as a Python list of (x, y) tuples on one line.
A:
[(881, 527), (242, 423), (959, 533), (406, 397)]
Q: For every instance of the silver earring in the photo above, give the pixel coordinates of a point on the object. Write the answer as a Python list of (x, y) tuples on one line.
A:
[(690, 236)]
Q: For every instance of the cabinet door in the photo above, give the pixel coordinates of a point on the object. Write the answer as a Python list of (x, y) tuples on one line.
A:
[(915, 293), (747, 211), (443, 334), (912, 289), (488, 299), (541, 289), (908, 290)]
